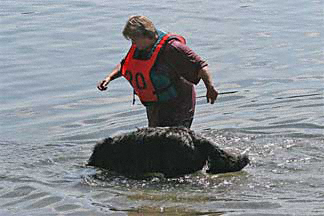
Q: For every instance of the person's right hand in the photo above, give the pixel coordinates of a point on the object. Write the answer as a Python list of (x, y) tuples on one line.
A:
[(102, 85)]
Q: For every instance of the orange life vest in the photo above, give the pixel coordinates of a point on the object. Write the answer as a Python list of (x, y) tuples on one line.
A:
[(137, 71)]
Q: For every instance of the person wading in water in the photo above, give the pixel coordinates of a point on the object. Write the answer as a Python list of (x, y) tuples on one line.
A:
[(163, 70)]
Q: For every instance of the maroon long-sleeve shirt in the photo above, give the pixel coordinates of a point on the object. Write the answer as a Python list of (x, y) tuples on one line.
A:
[(183, 65)]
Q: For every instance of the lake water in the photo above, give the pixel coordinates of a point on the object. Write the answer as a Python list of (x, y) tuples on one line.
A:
[(53, 53)]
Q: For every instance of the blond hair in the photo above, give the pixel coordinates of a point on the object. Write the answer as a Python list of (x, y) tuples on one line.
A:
[(139, 26)]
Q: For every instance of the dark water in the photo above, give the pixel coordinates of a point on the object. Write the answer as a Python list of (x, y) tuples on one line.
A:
[(52, 53)]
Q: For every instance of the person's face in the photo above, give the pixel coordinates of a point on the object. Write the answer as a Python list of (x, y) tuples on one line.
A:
[(143, 43)]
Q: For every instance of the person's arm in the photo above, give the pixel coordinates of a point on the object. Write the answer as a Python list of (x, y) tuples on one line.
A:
[(102, 85), (207, 78), (191, 67)]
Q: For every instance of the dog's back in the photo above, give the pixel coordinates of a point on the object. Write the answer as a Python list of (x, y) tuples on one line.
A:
[(172, 151), (166, 150)]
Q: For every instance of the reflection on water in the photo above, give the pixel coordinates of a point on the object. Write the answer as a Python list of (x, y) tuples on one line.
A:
[(268, 53)]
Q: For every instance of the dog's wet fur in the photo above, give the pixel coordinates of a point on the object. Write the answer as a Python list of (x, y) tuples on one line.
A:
[(172, 151)]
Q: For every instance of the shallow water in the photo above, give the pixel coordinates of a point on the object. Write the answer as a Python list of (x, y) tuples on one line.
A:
[(53, 53)]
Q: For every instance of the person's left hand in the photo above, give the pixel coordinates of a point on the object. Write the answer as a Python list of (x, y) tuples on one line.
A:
[(211, 94)]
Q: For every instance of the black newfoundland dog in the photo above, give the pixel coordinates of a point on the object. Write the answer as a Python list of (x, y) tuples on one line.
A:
[(172, 151)]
